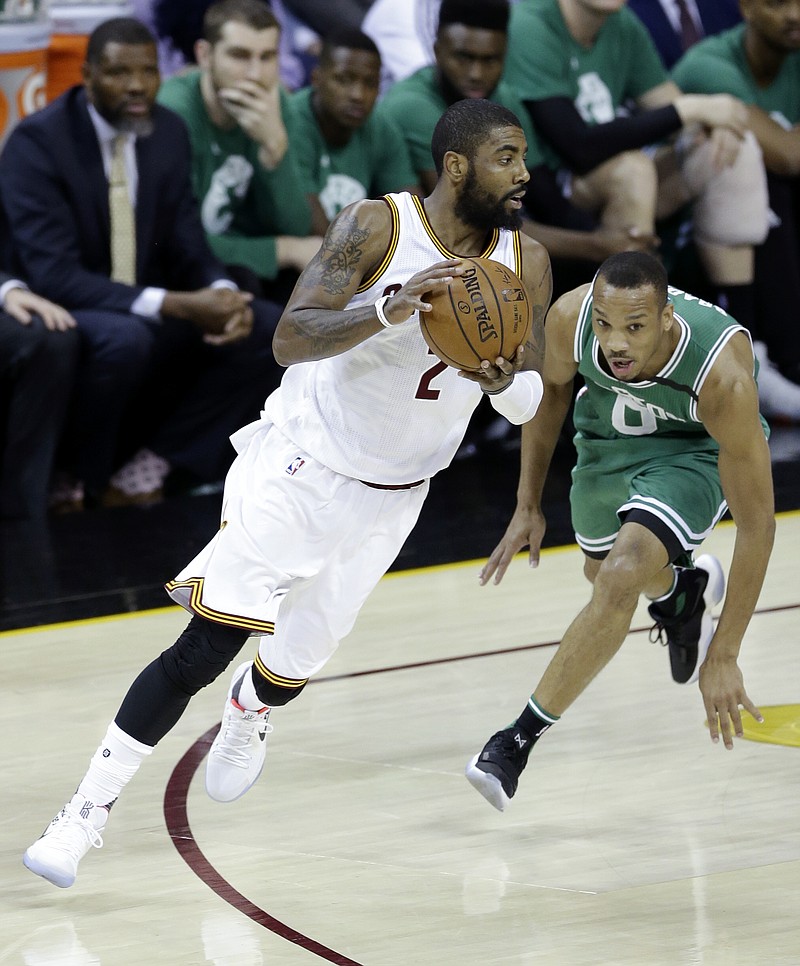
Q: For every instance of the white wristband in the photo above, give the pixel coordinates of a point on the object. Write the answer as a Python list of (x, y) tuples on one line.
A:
[(380, 313), (520, 399)]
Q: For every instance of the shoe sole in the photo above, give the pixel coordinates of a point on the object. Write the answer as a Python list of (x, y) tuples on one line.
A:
[(712, 595), (61, 881), (487, 785), (225, 801)]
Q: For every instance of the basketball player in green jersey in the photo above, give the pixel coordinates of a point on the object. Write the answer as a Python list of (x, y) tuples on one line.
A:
[(668, 435)]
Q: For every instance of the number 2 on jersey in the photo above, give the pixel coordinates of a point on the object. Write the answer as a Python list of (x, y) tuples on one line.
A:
[(424, 390)]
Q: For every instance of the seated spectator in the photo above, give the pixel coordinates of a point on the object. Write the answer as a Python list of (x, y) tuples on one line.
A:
[(97, 195), (347, 151), (38, 361), (470, 49), (253, 201), (578, 67), (675, 25), (759, 62)]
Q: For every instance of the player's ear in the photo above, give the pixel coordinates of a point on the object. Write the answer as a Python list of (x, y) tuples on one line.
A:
[(455, 165), (202, 52), (668, 315)]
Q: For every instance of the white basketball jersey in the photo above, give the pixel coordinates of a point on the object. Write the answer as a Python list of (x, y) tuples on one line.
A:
[(386, 411)]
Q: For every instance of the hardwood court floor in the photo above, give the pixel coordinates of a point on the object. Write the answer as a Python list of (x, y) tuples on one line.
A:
[(632, 840)]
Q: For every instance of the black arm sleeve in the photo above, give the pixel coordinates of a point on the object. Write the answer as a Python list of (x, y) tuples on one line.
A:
[(544, 202), (582, 146)]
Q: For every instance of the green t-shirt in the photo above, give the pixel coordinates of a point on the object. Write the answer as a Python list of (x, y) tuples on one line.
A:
[(717, 65), (243, 206), (415, 104), (544, 61), (374, 161)]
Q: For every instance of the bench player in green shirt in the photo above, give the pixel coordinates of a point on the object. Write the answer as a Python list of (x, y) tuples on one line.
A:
[(346, 148), (668, 435), (630, 144), (759, 62), (255, 207)]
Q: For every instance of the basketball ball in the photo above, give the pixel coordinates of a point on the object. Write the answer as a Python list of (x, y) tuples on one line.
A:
[(483, 314)]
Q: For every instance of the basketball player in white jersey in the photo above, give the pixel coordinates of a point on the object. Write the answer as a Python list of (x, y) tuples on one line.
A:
[(329, 482)]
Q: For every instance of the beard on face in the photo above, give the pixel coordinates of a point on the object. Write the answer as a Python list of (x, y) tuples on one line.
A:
[(113, 110), (142, 127), (477, 208)]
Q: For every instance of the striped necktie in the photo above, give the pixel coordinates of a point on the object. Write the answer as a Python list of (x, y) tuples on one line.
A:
[(123, 225)]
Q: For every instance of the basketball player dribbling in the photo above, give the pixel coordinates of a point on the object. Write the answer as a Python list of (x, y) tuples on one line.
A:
[(329, 482)]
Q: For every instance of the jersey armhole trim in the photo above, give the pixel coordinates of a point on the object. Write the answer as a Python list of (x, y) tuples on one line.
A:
[(711, 358), (517, 254), (580, 328), (392, 248)]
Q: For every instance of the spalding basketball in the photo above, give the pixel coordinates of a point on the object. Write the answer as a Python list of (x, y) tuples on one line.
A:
[(483, 314)]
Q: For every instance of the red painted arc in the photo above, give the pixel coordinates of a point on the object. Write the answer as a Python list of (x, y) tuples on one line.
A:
[(177, 820)]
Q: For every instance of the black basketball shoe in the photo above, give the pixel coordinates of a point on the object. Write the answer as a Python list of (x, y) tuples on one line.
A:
[(495, 771), (683, 621)]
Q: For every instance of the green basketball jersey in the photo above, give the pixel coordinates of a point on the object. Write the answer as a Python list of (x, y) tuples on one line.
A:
[(659, 413)]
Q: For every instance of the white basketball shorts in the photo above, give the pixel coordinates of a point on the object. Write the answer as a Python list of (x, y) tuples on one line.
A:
[(299, 550)]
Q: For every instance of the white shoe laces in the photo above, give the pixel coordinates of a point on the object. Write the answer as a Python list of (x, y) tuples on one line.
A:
[(73, 834), (238, 731)]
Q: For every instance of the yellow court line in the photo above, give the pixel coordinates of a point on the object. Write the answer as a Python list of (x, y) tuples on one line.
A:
[(458, 565)]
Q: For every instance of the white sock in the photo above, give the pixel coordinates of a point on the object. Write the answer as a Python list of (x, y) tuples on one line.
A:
[(96, 814), (115, 762), (247, 697)]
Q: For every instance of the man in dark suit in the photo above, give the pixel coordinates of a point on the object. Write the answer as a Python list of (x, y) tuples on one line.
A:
[(675, 25), (38, 359), (97, 193)]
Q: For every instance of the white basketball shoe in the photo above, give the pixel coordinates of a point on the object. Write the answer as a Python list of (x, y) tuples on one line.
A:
[(76, 829), (236, 758)]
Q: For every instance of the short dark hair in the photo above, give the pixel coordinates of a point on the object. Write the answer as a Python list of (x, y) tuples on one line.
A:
[(252, 13), (117, 30), (349, 38), (634, 270), (465, 125), (483, 14)]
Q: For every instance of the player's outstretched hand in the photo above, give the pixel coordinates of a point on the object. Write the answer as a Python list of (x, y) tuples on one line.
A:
[(526, 529), (722, 687), (411, 297)]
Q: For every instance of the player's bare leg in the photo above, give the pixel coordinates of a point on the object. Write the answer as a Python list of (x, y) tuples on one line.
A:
[(638, 561)]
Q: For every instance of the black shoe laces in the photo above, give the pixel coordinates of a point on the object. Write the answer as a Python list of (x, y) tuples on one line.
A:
[(503, 745)]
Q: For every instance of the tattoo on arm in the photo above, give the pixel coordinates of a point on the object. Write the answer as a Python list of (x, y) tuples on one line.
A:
[(328, 331), (535, 343), (342, 249)]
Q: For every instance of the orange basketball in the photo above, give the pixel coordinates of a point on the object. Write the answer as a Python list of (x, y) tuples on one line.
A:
[(483, 314)]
